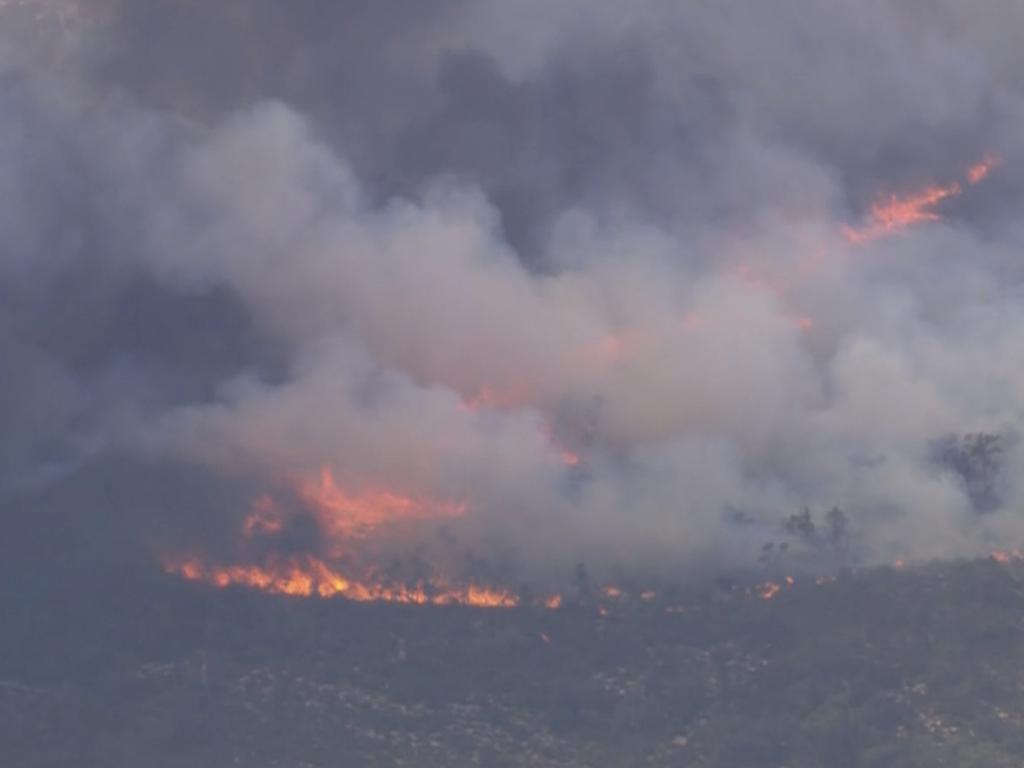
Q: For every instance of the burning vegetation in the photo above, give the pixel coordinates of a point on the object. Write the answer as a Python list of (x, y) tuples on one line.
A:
[(350, 520), (354, 517), (346, 520), (894, 213), (307, 576)]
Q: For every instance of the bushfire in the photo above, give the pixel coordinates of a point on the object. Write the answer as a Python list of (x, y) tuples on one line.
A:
[(349, 519), (306, 576), (895, 213), (345, 514)]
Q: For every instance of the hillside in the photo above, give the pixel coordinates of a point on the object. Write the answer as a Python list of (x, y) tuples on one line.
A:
[(917, 667)]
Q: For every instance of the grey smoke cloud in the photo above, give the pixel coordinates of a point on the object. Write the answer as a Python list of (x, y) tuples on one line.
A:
[(440, 248)]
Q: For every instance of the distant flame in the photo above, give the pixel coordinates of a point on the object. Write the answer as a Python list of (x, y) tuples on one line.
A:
[(1007, 555), (565, 455), (307, 576), (768, 590), (978, 172), (895, 213), (569, 459), (349, 514)]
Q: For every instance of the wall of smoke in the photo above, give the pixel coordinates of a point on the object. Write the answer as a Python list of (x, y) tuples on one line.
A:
[(440, 246)]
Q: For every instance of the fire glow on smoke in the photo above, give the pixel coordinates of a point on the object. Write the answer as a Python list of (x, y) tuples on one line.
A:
[(351, 518)]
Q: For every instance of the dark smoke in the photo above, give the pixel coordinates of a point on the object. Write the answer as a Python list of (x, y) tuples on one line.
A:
[(241, 241)]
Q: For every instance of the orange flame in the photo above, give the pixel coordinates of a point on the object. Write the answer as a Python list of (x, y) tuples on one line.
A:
[(357, 514), (307, 576), (553, 602), (768, 590), (896, 213), (346, 516)]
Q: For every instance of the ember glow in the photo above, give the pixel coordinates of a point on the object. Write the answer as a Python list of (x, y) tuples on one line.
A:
[(1005, 556), (768, 590), (980, 171), (569, 458)]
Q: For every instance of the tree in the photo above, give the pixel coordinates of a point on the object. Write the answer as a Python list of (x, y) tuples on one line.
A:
[(801, 524), (976, 460), (838, 535)]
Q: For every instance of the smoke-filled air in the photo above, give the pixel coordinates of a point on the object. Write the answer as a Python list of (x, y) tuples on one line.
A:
[(437, 301)]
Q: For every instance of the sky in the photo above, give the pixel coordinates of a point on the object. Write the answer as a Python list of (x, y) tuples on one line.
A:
[(513, 284)]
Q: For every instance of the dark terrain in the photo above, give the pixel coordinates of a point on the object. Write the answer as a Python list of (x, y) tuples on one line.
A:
[(917, 667)]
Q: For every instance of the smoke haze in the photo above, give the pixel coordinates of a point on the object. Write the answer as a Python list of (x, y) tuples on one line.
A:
[(581, 281)]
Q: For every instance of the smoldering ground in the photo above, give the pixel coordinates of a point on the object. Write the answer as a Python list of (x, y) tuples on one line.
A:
[(575, 268)]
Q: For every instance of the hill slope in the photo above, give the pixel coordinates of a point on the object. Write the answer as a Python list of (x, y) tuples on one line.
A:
[(919, 667)]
